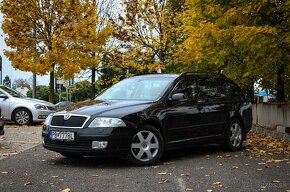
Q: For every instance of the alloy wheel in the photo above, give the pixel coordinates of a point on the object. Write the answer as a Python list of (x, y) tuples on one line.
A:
[(145, 146), (22, 117), (236, 135)]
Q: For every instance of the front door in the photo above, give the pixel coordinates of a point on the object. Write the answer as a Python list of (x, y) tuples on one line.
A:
[(184, 118)]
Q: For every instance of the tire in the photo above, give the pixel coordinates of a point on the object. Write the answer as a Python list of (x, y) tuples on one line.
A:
[(234, 136), (147, 146), (22, 116)]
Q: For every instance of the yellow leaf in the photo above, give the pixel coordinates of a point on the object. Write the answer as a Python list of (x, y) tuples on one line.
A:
[(66, 190)]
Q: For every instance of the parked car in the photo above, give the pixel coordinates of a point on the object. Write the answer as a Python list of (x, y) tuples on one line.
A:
[(23, 110), (142, 116)]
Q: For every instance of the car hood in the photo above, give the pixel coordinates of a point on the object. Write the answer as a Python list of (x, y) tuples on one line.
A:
[(107, 106), (33, 101)]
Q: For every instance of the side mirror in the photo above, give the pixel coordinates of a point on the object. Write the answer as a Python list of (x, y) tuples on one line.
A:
[(3, 96), (178, 97)]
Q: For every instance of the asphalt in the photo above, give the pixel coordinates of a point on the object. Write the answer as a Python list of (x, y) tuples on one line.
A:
[(26, 166)]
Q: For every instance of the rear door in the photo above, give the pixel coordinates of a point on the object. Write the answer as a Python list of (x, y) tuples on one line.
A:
[(213, 101)]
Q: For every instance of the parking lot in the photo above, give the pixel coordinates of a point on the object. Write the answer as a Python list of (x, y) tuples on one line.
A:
[(27, 166), (18, 139)]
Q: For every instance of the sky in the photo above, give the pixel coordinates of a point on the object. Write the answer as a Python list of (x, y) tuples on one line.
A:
[(13, 73)]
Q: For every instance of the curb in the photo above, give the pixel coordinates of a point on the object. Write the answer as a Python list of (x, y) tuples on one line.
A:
[(275, 134)]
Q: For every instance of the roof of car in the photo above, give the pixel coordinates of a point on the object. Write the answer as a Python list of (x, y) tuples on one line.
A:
[(181, 74)]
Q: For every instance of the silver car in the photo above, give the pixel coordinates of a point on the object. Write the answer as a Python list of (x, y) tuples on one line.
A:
[(23, 110)]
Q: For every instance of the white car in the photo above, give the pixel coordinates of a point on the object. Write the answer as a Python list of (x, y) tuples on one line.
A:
[(23, 110)]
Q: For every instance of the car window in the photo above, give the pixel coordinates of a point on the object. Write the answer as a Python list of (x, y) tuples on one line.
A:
[(209, 88), (136, 89), (188, 88), (12, 92), (231, 89)]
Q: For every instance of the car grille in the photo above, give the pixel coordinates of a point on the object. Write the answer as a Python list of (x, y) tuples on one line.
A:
[(73, 145), (73, 121)]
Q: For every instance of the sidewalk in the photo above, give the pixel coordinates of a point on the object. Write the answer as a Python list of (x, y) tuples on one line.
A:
[(273, 133), (16, 140)]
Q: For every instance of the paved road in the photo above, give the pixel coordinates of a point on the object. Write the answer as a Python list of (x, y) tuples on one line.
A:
[(195, 169)]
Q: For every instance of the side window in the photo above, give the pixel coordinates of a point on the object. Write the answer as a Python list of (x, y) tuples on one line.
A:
[(188, 88), (231, 89), (210, 89)]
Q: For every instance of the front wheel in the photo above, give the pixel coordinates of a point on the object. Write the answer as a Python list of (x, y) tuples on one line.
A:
[(22, 116), (147, 146), (234, 136)]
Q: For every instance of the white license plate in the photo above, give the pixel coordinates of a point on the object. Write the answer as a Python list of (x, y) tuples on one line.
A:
[(64, 136)]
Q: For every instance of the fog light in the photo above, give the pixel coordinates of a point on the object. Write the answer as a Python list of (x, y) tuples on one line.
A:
[(99, 144)]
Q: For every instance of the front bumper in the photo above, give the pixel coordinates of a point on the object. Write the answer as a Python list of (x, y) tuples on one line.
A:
[(118, 141), (40, 115)]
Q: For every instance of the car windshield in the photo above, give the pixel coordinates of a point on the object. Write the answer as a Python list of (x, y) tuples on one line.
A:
[(12, 92), (148, 89)]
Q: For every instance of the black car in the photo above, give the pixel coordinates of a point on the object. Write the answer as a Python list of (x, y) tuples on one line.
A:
[(1, 124), (142, 116)]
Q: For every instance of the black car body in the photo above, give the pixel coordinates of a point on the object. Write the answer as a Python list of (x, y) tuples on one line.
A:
[(1, 124), (142, 116)]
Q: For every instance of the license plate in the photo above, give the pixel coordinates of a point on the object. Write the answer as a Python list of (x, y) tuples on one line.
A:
[(64, 136)]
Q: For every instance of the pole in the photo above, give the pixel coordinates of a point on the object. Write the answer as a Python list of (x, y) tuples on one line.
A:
[(34, 85), (0, 70)]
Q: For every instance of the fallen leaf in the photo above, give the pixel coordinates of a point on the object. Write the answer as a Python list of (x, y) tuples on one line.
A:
[(235, 167), (55, 176), (259, 169), (276, 181), (168, 163), (228, 155), (209, 190), (95, 175), (28, 183), (217, 183), (155, 167), (164, 173), (188, 189), (163, 181), (65, 190)]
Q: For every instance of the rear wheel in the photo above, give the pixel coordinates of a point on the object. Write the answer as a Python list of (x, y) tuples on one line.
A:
[(147, 146), (22, 116), (234, 136)]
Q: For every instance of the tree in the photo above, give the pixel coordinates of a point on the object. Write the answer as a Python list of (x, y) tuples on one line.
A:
[(46, 35), (146, 26), (7, 81), (245, 40), (81, 91), (21, 83), (42, 92)]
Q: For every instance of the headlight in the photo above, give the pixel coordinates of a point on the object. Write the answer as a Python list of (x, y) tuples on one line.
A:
[(48, 119), (107, 122), (40, 107)]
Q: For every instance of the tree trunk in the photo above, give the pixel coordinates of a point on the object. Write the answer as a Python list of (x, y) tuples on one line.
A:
[(280, 83), (51, 85), (93, 90)]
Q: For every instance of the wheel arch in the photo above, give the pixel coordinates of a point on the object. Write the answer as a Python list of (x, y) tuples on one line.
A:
[(157, 125), (14, 110)]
